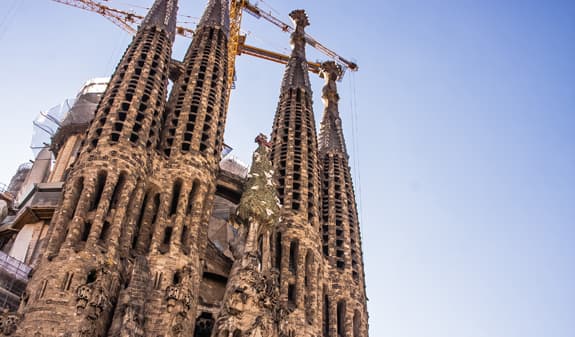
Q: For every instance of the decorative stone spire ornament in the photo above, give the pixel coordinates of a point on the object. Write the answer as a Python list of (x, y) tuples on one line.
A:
[(259, 202), (250, 304), (341, 243), (331, 132), (296, 73)]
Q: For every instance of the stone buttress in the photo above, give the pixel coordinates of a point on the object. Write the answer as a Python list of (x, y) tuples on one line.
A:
[(343, 290), (75, 287), (296, 242)]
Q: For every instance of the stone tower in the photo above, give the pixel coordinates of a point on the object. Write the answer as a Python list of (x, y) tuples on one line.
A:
[(343, 294), (76, 285), (155, 236), (296, 243), (190, 147)]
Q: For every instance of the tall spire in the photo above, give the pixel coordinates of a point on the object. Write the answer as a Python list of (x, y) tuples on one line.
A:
[(297, 241), (341, 240), (294, 138), (296, 74), (190, 147), (162, 15), (331, 133), (216, 15), (197, 106)]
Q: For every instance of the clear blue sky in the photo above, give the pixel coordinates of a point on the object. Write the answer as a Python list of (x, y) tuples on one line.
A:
[(461, 128)]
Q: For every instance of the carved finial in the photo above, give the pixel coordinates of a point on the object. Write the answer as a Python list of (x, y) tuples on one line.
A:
[(299, 18), (259, 201), (331, 134), (330, 71), (262, 140), (300, 21), (296, 75)]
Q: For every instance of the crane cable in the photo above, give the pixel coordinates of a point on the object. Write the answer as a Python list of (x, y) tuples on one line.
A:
[(355, 144), (194, 18)]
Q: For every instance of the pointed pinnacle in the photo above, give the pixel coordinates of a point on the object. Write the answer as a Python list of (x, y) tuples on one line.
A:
[(330, 71), (296, 73), (331, 132), (216, 15), (162, 15), (300, 20)]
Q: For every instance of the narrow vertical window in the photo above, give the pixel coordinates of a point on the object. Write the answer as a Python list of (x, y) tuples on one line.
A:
[(100, 183), (293, 256), (341, 318), (117, 190), (175, 197), (326, 321), (279, 251)]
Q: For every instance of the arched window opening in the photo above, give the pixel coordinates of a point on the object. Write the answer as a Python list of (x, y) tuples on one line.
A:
[(325, 310), (92, 276), (177, 278), (341, 318), (100, 183), (204, 325), (175, 196), (117, 190), (260, 251), (165, 246), (291, 296), (278, 251), (293, 256), (156, 207), (136, 234), (77, 192), (104, 232), (192, 197), (86, 231)]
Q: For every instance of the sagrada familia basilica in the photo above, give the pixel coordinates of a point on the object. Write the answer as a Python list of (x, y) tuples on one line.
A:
[(154, 236)]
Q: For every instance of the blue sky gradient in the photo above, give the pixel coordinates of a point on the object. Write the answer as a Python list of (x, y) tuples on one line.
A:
[(460, 126)]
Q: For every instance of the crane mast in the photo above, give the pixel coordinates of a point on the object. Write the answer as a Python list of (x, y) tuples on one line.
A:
[(236, 43)]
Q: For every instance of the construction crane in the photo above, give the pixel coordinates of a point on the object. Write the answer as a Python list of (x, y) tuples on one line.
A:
[(236, 44), (258, 13)]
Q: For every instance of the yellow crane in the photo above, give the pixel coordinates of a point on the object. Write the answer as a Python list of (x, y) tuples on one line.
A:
[(236, 45)]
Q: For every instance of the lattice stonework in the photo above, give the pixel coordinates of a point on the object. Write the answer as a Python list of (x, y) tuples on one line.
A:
[(344, 308), (197, 105), (294, 142)]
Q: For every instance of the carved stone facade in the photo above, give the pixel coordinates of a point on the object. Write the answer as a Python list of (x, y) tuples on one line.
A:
[(153, 238)]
